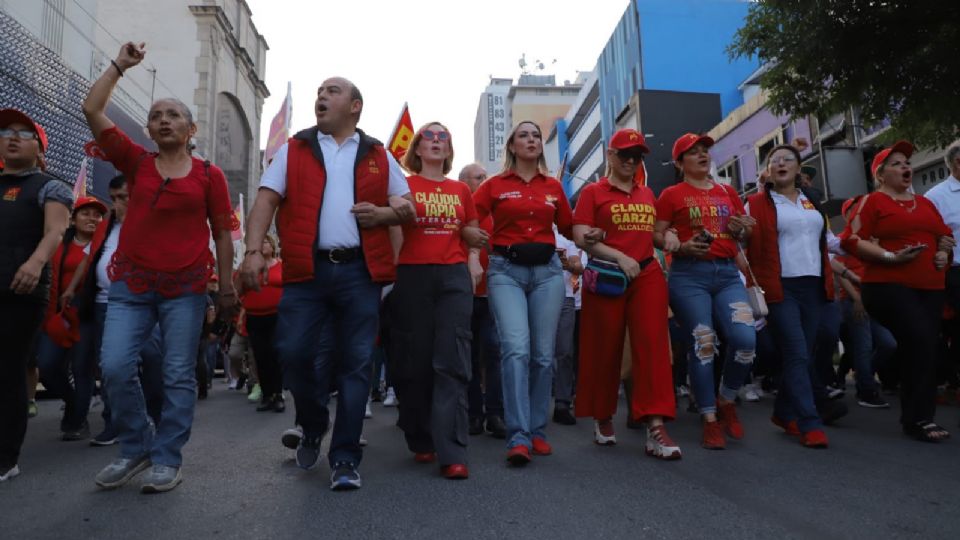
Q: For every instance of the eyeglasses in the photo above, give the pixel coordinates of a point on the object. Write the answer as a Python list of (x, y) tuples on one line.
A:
[(782, 159), (627, 154), (22, 134), (432, 135)]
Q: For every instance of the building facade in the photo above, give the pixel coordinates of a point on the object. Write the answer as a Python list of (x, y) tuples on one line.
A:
[(207, 53)]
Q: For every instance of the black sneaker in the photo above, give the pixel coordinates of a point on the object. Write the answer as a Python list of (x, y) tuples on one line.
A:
[(345, 477), (104, 438), (476, 426), (872, 401), (496, 428), (308, 453), (291, 438), (831, 410), (562, 415), (79, 434)]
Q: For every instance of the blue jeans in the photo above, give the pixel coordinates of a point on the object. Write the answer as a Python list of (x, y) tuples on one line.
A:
[(131, 319), (870, 346), (794, 322), (326, 329), (704, 293), (822, 371), (525, 302), (57, 365), (151, 370)]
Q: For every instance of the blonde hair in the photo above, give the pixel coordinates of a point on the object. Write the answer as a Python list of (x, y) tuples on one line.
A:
[(412, 162), (272, 240), (510, 159)]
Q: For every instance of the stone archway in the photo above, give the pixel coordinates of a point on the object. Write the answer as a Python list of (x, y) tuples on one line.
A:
[(234, 141)]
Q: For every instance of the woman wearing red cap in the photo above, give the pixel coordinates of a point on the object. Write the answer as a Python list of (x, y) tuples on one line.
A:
[(159, 273), (261, 324), (788, 254), (621, 209), (905, 245), (705, 286), (34, 213), (525, 284), (433, 303), (65, 346)]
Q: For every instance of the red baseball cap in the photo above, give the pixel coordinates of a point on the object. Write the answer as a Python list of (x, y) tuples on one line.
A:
[(688, 141), (628, 138), (904, 147), (9, 116), (89, 201)]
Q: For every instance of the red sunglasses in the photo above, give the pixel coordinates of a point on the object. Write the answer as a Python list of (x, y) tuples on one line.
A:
[(432, 135)]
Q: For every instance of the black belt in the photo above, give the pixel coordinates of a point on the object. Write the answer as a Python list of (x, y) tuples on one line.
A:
[(646, 262), (340, 255)]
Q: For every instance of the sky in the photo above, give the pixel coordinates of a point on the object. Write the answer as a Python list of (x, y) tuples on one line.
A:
[(437, 56)]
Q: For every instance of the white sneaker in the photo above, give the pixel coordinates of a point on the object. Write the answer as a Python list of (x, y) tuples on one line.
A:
[(660, 445), (600, 438), (391, 398), (369, 412), (750, 392), (10, 473)]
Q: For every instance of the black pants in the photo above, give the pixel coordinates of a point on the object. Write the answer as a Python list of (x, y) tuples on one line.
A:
[(913, 316), (950, 363), (431, 366), (20, 319), (261, 330)]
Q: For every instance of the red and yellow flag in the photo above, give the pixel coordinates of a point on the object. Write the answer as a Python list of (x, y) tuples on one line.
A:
[(402, 134), (279, 129)]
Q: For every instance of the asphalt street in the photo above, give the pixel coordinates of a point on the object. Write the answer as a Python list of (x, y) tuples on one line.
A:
[(239, 482)]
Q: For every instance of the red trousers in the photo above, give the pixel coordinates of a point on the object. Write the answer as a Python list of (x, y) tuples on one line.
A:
[(641, 310)]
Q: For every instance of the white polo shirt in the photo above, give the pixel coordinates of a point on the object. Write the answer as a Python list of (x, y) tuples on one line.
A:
[(946, 197), (337, 227), (799, 226)]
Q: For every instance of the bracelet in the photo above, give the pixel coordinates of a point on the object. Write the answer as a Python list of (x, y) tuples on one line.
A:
[(252, 251), (116, 65)]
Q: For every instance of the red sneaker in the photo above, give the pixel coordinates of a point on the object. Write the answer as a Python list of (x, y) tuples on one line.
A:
[(518, 455), (455, 472), (425, 457), (790, 427), (713, 436), (814, 439), (660, 445), (541, 447), (727, 415)]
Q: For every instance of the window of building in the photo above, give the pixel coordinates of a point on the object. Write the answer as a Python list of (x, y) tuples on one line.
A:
[(767, 143), (729, 173)]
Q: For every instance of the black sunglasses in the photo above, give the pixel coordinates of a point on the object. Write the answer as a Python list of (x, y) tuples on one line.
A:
[(626, 154)]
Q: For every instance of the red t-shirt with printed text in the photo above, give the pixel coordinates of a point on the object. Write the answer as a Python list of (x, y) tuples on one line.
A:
[(627, 218), (524, 212), (443, 208), (164, 243), (690, 210), (897, 225)]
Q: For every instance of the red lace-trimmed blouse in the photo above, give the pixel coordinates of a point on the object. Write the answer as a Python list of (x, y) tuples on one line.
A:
[(164, 243)]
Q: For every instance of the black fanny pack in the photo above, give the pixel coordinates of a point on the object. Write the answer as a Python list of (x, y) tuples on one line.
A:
[(531, 254)]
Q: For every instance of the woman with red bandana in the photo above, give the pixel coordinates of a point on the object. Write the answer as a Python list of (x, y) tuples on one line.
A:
[(159, 273), (525, 284), (621, 210), (705, 287), (905, 245), (65, 346), (433, 303)]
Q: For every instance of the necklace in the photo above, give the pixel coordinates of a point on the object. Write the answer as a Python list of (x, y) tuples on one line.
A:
[(903, 204)]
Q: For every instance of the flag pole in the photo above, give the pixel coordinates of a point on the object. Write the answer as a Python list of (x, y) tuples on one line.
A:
[(396, 125)]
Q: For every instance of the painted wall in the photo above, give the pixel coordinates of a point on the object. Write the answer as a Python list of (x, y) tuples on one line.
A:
[(741, 142)]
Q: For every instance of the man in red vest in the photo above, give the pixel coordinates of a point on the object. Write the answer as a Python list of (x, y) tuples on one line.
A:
[(338, 191)]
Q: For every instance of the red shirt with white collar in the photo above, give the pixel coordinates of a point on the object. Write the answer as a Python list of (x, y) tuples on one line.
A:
[(523, 212), (627, 218)]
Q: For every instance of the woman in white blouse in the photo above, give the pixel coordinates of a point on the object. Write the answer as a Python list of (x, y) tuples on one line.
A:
[(788, 254)]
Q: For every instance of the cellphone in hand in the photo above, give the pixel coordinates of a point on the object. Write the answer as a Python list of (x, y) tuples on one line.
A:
[(704, 236)]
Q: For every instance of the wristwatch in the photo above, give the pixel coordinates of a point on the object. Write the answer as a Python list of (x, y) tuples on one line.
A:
[(889, 256)]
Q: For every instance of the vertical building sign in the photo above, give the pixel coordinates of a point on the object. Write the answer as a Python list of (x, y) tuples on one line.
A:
[(496, 126)]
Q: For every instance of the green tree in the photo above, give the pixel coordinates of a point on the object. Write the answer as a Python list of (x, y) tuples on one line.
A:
[(891, 59)]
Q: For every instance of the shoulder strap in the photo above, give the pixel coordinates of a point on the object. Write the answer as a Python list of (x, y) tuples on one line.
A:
[(206, 168)]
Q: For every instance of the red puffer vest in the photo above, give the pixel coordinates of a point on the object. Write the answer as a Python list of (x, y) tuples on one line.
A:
[(764, 252), (300, 210)]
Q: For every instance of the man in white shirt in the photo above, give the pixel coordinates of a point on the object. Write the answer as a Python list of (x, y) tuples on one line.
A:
[(335, 191), (573, 260), (946, 197)]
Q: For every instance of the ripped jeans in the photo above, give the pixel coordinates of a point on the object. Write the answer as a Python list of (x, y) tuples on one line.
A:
[(705, 293)]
